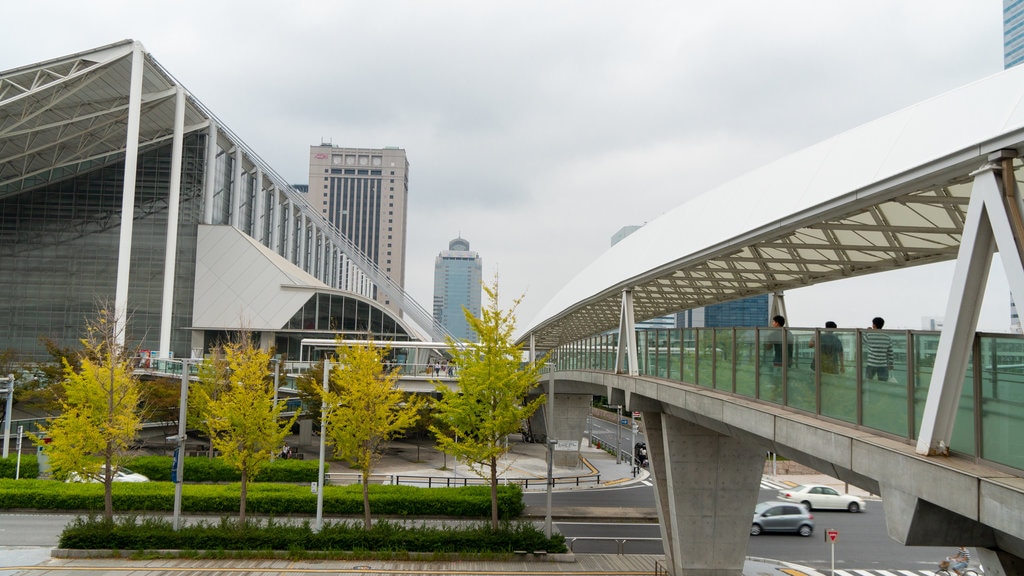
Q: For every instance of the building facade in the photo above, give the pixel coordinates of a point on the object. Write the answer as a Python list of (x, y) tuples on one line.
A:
[(363, 192), (457, 277), (1013, 32), (132, 194)]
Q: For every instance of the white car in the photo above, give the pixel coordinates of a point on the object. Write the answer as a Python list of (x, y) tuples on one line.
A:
[(819, 497), (120, 475)]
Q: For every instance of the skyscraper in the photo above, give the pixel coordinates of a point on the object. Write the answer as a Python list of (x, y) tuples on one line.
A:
[(457, 274), (363, 192), (1013, 32)]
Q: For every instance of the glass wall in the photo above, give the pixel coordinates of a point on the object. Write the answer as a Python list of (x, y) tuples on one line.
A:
[(59, 251), (878, 379)]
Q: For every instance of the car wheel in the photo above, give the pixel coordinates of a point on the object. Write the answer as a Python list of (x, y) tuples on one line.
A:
[(755, 529), (807, 505), (805, 530), (853, 507)]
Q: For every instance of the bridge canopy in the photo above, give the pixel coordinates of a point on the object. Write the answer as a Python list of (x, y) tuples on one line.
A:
[(889, 194)]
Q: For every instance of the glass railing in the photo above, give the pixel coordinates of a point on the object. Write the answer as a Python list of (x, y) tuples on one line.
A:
[(877, 379)]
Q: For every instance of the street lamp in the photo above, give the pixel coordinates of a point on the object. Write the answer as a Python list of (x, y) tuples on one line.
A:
[(323, 449), (179, 450), (7, 413), (551, 480)]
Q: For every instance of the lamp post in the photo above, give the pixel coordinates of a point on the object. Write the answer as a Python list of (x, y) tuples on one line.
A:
[(179, 450), (551, 480), (7, 413), (277, 377), (323, 449)]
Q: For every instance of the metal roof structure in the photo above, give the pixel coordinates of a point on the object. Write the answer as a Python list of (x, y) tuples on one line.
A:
[(69, 115), (889, 194)]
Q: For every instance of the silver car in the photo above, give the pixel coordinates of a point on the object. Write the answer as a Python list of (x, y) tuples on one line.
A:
[(782, 517)]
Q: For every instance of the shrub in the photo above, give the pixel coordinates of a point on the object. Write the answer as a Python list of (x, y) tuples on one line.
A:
[(29, 466), (203, 469), (263, 498), (133, 533)]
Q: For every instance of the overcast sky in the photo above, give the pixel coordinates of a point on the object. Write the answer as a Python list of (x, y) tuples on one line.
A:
[(537, 129)]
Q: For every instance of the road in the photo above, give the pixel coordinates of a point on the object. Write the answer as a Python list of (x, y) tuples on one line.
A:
[(863, 540)]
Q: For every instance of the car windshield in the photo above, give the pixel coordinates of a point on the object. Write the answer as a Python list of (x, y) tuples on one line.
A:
[(762, 507)]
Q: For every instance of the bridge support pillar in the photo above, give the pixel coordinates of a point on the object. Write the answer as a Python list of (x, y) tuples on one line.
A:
[(706, 486), (571, 411)]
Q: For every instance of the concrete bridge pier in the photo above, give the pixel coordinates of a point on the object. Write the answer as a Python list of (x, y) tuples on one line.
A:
[(569, 414), (706, 486)]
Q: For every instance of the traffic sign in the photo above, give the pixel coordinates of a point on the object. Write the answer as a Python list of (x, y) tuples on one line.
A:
[(636, 414), (833, 535)]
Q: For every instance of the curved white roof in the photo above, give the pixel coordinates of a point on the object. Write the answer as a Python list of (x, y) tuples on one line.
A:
[(888, 194)]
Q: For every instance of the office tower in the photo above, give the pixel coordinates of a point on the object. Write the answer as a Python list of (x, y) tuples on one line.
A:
[(363, 192), (457, 273), (1013, 32)]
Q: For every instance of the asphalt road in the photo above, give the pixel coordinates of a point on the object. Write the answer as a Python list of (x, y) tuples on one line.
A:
[(863, 540)]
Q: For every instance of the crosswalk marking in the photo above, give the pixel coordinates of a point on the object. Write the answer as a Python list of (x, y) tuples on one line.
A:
[(859, 572)]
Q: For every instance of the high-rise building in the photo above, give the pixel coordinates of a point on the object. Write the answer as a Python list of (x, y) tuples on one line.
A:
[(457, 275), (1013, 32), (363, 192)]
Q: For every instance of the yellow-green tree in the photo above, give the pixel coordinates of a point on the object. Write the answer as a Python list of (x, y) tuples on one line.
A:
[(99, 410), (365, 409), (214, 379), (245, 424), (490, 402)]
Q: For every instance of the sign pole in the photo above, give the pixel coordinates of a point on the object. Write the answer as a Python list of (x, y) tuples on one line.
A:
[(832, 536)]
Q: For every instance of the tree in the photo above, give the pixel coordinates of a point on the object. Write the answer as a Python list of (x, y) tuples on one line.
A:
[(491, 402), (214, 379), (243, 420), (100, 409), (365, 410)]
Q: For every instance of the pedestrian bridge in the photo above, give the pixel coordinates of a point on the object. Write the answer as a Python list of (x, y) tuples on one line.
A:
[(936, 438)]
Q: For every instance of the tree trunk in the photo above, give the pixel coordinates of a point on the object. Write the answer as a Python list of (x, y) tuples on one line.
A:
[(108, 487), (494, 493), (244, 492), (366, 499)]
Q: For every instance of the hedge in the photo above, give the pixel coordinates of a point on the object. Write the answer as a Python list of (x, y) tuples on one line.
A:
[(130, 533), (263, 498)]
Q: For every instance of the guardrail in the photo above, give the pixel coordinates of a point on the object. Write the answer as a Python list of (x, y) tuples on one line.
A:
[(345, 478), (620, 543)]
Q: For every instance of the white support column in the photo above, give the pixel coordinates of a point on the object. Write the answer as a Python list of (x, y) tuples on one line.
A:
[(131, 160), (303, 248), (987, 228), (210, 180), (171, 247), (778, 307), (239, 192), (288, 231), (275, 220), (260, 206), (627, 336)]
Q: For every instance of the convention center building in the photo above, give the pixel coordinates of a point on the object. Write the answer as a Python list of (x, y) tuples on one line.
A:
[(118, 187)]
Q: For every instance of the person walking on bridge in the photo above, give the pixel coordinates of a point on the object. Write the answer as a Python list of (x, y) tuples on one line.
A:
[(830, 352), (878, 359)]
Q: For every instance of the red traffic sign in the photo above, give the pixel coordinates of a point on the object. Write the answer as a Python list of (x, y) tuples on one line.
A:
[(833, 535)]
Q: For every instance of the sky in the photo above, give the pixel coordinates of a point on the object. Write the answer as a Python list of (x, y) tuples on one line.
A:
[(537, 129)]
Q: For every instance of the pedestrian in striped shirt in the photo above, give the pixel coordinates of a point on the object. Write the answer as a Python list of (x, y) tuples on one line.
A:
[(877, 351)]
